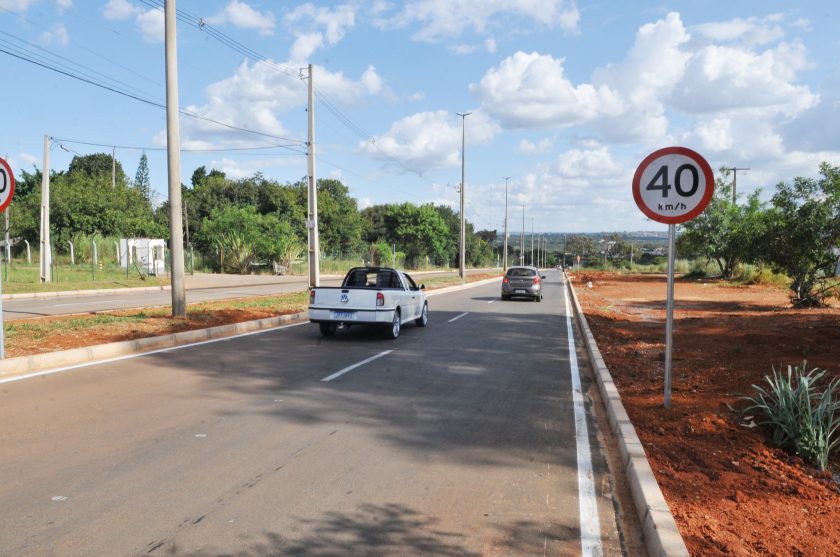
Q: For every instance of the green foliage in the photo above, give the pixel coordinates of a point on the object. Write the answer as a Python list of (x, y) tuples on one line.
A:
[(724, 232), (802, 228), (244, 236), (237, 252), (141, 178), (801, 418)]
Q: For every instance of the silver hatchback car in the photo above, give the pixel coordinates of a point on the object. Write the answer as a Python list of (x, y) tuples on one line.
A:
[(523, 281)]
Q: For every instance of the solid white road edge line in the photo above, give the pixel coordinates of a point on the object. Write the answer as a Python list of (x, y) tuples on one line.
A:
[(457, 317), (354, 366), (141, 354), (590, 527)]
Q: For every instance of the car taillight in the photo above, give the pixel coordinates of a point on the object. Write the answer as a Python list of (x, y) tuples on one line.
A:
[(537, 279), (380, 299), (505, 280), (312, 296)]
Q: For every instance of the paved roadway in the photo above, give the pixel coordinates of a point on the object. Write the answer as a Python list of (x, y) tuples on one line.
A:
[(455, 439), (200, 288)]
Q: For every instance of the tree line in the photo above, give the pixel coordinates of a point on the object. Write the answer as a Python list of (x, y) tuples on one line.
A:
[(235, 223), (796, 233)]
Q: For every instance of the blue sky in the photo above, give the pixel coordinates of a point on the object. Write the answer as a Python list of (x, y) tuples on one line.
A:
[(566, 97)]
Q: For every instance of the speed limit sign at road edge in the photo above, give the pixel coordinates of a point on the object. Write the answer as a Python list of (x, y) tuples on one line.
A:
[(7, 184), (693, 185)]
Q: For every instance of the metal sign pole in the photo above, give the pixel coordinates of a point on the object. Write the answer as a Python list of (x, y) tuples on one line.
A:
[(669, 315)]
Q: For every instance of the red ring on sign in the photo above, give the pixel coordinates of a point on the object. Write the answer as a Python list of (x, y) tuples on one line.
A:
[(707, 195), (11, 177)]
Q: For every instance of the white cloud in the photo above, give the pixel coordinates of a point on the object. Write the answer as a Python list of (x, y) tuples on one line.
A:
[(245, 169), (256, 97), (443, 19), (528, 148), (64, 4), (317, 27), (16, 5), (531, 90), (429, 140), (239, 14), (152, 25), (719, 78), (490, 45), (752, 31), (57, 34), (150, 22), (116, 10), (416, 97)]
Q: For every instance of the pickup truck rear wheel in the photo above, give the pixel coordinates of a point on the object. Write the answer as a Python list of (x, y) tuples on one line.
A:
[(423, 320), (327, 329), (394, 330)]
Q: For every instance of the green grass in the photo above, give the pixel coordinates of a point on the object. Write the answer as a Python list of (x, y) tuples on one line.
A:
[(21, 278), (39, 329)]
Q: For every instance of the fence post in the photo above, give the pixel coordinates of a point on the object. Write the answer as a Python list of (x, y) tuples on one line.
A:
[(72, 253), (94, 259), (117, 252)]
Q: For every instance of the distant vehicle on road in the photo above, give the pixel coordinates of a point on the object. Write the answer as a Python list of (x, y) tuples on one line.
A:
[(522, 281), (369, 295)]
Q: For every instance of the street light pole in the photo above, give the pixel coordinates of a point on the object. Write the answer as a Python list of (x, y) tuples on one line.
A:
[(734, 179), (505, 261), (522, 239), (462, 260)]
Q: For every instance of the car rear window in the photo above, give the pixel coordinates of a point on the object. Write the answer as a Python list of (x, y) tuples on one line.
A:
[(521, 272)]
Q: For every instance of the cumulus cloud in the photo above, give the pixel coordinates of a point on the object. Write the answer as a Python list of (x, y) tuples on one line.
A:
[(57, 34), (429, 140), (16, 5), (530, 90), (444, 19), (239, 14), (256, 97), (64, 4), (528, 148), (317, 27), (150, 22), (733, 70)]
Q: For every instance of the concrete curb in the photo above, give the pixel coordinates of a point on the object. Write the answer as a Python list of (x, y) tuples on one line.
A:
[(662, 537), (77, 293), (23, 365)]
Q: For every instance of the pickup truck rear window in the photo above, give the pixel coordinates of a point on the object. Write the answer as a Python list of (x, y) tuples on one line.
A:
[(372, 278)]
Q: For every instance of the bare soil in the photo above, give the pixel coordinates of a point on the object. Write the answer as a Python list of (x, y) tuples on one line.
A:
[(731, 491)]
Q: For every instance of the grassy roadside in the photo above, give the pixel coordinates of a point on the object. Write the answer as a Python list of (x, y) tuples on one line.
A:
[(35, 336)]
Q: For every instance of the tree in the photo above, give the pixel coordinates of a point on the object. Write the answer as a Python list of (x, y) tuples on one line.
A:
[(141, 178), (801, 229), (582, 246), (725, 232)]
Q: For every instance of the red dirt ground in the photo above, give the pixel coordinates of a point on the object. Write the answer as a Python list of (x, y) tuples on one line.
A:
[(730, 491)]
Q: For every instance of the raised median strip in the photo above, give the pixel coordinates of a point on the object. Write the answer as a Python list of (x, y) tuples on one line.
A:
[(79, 293), (24, 365), (662, 537)]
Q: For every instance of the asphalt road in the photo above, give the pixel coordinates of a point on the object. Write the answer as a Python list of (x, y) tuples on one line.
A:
[(44, 307), (455, 439)]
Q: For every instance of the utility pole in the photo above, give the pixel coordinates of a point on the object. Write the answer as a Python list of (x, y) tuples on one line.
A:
[(522, 239), (173, 155), (114, 168), (505, 263), (462, 244), (734, 179), (312, 217), (44, 255), (532, 240)]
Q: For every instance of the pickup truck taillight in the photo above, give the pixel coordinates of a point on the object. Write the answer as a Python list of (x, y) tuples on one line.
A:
[(312, 296), (380, 299)]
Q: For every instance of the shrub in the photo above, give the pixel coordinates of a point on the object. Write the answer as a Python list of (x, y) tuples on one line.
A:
[(801, 418)]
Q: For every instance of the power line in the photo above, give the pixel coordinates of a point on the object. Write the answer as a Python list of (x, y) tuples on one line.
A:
[(207, 150)]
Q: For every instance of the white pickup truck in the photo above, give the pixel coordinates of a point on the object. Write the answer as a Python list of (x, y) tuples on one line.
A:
[(372, 296)]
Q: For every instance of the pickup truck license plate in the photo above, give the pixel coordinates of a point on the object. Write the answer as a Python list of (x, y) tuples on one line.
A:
[(344, 315), (519, 291)]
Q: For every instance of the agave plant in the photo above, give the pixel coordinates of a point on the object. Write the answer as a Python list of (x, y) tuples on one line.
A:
[(290, 249), (238, 252), (801, 417)]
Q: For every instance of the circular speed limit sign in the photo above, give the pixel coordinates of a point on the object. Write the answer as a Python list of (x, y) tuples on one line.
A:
[(7, 184), (673, 185)]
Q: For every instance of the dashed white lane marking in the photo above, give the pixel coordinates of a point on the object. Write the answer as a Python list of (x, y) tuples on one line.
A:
[(142, 354), (60, 498), (491, 301), (457, 317), (354, 366), (590, 527)]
